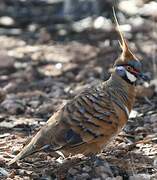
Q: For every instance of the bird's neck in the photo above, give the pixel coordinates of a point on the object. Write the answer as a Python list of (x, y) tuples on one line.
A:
[(122, 90)]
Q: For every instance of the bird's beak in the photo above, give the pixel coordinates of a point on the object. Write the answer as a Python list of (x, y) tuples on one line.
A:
[(143, 76), (140, 75)]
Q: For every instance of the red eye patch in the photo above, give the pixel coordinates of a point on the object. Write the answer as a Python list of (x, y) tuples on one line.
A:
[(131, 69)]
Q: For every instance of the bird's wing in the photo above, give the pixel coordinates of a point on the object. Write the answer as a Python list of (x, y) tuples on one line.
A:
[(84, 119)]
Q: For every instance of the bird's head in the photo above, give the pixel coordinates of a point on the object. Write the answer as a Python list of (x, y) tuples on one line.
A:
[(127, 66)]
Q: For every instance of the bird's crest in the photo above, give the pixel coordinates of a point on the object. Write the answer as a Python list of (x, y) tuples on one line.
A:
[(126, 52)]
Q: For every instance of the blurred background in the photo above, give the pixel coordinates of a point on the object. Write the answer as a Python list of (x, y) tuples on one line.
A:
[(49, 51)]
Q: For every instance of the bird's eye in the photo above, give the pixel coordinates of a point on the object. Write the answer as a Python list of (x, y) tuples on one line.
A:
[(129, 68)]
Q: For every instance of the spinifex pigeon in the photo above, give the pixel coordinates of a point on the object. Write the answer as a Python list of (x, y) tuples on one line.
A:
[(89, 121)]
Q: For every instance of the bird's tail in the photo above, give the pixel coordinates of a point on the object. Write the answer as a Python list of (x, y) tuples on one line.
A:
[(28, 150), (38, 143)]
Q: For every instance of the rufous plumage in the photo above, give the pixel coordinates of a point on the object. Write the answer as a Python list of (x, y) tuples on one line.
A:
[(89, 121)]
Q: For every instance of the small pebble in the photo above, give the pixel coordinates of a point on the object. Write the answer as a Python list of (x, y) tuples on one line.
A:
[(81, 177), (114, 178), (154, 130), (140, 130), (140, 177), (104, 176), (85, 175), (13, 106), (109, 178), (72, 171), (100, 169), (155, 162), (4, 172), (87, 168), (118, 178)]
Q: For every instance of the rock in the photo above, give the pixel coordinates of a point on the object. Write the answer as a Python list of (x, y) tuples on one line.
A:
[(100, 169), (128, 7), (105, 168), (44, 36), (155, 162), (85, 176), (72, 171), (114, 178), (13, 106), (104, 176), (6, 61), (154, 130), (149, 9), (103, 23), (118, 178), (7, 21), (109, 178), (4, 172), (81, 176), (133, 114), (153, 118), (2, 95), (140, 177), (10, 87), (141, 130), (87, 168), (2, 161), (154, 83), (34, 103)]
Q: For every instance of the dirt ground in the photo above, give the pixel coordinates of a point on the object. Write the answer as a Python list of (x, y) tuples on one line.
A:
[(43, 66)]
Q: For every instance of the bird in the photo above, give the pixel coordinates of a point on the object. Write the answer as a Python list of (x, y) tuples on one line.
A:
[(88, 122)]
